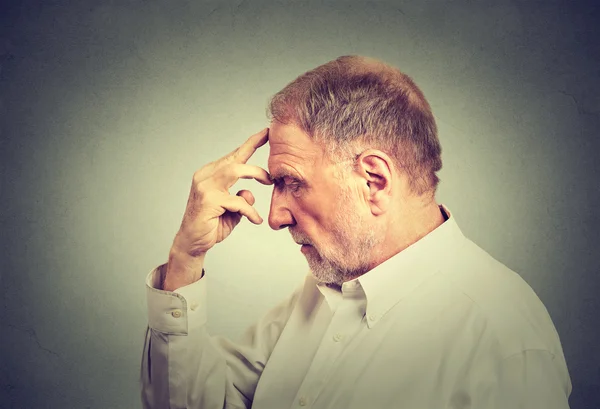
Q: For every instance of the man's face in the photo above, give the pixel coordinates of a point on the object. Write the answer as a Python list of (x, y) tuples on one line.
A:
[(323, 212)]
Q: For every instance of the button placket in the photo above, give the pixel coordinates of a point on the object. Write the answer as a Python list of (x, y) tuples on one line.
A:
[(346, 320)]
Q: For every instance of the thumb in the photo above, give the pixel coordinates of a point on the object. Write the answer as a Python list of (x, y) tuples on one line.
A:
[(247, 195)]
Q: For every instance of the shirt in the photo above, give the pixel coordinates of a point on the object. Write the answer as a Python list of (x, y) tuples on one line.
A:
[(441, 324)]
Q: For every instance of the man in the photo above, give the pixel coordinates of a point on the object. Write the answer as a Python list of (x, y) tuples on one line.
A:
[(400, 309)]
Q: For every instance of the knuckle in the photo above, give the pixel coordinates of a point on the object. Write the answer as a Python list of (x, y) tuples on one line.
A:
[(197, 177), (231, 169), (200, 174), (234, 155), (200, 191)]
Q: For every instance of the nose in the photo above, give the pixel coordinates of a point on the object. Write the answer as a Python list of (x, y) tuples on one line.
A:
[(280, 216)]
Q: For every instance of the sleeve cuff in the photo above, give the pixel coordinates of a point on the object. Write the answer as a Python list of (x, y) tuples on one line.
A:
[(175, 312)]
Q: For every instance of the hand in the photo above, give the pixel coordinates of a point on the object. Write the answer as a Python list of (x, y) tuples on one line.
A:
[(212, 213)]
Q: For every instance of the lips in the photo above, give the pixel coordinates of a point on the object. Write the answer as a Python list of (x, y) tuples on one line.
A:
[(300, 238)]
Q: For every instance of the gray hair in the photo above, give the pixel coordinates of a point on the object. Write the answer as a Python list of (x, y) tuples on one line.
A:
[(357, 102)]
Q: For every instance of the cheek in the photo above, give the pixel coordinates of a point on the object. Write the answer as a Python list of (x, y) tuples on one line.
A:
[(319, 225), (316, 212), (323, 204)]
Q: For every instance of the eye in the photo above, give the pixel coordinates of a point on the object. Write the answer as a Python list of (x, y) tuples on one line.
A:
[(291, 184)]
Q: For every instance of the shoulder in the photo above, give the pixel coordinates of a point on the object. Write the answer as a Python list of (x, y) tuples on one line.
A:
[(514, 316)]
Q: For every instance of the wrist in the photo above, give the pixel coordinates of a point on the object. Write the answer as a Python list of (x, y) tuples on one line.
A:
[(182, 269)]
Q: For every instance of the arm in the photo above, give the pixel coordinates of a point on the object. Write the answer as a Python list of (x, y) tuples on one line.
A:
[(184, 367), (530, 379)]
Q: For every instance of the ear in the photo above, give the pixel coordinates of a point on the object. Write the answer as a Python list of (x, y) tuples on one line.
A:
[(375, 170)]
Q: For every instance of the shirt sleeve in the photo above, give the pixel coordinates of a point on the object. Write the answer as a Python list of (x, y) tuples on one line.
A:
[(184, 367), (533, 378)]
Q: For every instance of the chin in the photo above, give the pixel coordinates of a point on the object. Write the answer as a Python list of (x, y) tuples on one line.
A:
[(324, 272)]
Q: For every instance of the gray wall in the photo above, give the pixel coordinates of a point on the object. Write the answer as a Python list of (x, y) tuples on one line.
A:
[(108, 107)]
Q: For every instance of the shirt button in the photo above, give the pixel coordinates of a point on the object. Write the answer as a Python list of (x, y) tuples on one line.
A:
[(338, 337), (194, 305), (302, 401), (176, 313), (372, 317)]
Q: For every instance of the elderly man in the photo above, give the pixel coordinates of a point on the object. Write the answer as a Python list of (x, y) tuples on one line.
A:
[(399, 310)]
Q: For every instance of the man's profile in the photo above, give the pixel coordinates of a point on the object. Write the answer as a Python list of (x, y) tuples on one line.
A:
[(400, 309)]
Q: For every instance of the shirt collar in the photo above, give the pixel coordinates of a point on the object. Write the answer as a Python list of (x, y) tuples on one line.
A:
[(385, 285), (333, 295)]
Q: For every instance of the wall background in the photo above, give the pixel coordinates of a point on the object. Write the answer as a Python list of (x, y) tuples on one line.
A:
[(107, 108)]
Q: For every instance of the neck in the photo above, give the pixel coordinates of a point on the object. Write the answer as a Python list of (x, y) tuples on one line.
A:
[(407, 226)]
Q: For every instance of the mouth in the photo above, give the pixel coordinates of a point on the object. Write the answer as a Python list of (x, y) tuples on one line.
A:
[(302, 240), (305, 247)]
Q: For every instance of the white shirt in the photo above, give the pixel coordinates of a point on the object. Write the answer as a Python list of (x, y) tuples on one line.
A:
[(440, 325)]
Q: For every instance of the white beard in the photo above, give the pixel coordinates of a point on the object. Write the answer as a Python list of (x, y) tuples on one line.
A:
[(350, 254)]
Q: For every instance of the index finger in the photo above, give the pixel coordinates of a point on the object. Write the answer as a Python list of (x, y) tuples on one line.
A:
[(247, 149)]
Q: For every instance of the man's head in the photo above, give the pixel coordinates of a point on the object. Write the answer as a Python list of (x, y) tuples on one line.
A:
[(352, 143)]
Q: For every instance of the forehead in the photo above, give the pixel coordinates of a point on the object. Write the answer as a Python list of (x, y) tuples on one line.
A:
[(291, 149)]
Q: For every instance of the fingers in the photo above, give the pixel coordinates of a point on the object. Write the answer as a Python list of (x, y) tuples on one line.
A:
[(244, 171), (238, 157), (247, 195), (247, 149), (228, 175), (238, 204)]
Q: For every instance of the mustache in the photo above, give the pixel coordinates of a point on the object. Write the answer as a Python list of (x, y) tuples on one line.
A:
[(300, 237)]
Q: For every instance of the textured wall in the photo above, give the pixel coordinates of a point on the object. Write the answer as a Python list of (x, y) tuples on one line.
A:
[(108, 107)]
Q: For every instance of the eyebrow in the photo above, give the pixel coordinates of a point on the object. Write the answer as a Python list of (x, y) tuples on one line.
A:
[(278, 175)]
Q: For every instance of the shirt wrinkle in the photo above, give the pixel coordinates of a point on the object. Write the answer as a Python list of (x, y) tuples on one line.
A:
[(453, 317)]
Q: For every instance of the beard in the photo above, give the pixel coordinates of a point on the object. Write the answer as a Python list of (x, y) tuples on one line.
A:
[(351, 251)]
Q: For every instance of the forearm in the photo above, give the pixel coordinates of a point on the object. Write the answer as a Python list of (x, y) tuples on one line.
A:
[(178, 351), (182, 269), (183, 371), (182, 365)]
